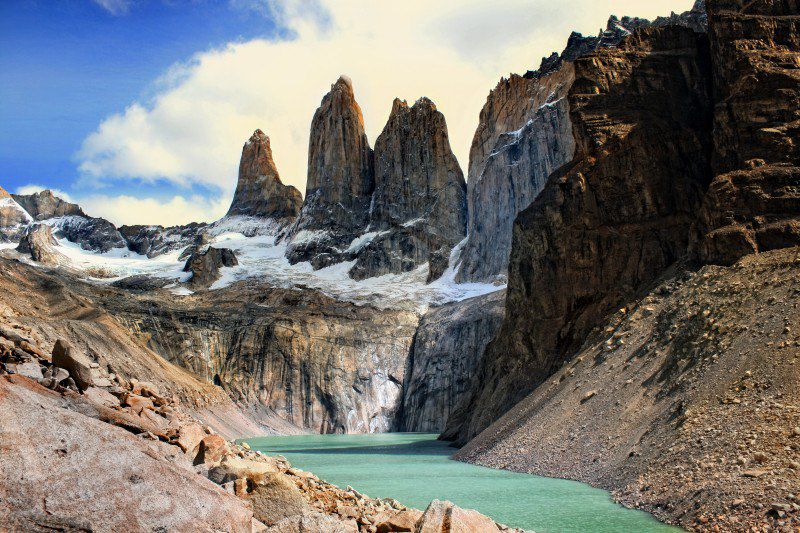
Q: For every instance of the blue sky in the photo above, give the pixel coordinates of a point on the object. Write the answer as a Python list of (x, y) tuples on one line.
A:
[(68, 64), (138, 109)]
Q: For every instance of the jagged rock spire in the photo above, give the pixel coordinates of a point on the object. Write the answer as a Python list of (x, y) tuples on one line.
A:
[(340, 164), (259, 190)]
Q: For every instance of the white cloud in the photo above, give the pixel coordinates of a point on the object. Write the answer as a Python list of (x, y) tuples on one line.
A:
[(115, 7), (453, 51), (31, 189), (124, 209)]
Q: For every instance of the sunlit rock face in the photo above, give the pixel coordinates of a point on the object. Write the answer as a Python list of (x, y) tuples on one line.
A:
[(259, 190), (340, 181)]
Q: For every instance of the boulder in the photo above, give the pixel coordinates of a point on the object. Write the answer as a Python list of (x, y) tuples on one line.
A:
[(399, 521), (232, 468), (446, 517), (38, 242), (205, 266), (73, 361), (277, 498), (212, 449)]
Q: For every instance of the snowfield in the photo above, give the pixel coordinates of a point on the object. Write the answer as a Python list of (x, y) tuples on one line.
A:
[(262, 259)]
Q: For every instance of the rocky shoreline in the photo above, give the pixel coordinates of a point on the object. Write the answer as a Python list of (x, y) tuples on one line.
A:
[(101, 452)]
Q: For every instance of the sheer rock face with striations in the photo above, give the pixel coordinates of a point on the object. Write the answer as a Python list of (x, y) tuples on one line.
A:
[(611, 221), (419, 204), (320, 364), (12, 217), (259, 190), (447, 348), (340, 181)]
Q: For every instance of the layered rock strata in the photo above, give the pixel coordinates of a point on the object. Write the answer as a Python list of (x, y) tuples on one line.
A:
[(611, 221), (446, 351), (753, 204), (419, 204), (259, 190)]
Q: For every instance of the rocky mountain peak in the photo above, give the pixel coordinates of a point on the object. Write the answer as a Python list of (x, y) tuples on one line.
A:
[(44, 204), (340, 178), (259, 190), (4, 193), (419, 204)]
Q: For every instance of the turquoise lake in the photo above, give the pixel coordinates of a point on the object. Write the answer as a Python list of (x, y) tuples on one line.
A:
[(415, 468)]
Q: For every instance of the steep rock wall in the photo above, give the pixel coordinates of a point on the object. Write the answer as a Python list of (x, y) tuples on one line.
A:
[(322, 365), (447, 348), (608, 223)]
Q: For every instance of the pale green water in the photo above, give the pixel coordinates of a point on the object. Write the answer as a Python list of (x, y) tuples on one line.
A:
[(415, 468)]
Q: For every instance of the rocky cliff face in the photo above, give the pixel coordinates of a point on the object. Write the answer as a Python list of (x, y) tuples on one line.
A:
[(323, 365), (753, 203), (419, 204), (259, 190), (340, 180), (447, 348), (611, 221), (524, 135)]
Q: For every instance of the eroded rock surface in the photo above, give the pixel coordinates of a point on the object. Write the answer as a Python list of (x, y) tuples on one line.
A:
[(259, 190), (153, 241)]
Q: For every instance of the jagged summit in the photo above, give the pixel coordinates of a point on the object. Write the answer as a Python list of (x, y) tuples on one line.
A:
[(259, 190), (419, 204), (4, 193)]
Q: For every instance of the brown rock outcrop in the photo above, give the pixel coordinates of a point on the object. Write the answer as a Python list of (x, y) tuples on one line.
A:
[(44, 204), (419, 204), (610, 222), (259, 190), (753, 204), (341, 180), (205, 265), (38, 242)]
